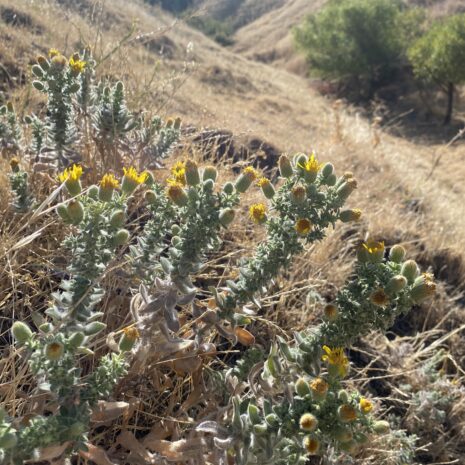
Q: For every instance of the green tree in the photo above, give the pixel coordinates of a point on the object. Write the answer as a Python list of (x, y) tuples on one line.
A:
[(362, 39), (439, 56)]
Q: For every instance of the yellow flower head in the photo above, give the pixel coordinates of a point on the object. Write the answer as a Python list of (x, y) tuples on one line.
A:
[(365, 405), (71, 174), (14, 162), (131, 333), (311, 444), (319, 386), (76, 64), (109, 182), (250, 172), (303, 226), (178, 173), (312, 165), (347, 413), (373, 247), (53, 52), (336, 358), (54, 350), (257, 213), (308, 422), (379, 298), (132, 174), (263, 182)]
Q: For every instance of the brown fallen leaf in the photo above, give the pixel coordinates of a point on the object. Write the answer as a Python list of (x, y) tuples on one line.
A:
[(244, 337), (50, 453), (96, 454), (106, 412)]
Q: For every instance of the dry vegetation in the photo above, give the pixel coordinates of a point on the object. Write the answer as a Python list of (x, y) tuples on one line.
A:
[(411, 193)]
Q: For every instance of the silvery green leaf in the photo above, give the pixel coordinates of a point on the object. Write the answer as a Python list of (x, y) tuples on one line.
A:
[(166, 265), (223, 444)]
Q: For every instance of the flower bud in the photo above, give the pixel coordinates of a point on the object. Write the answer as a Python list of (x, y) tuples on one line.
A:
[(192, 173), (319, 388), (331, 312), (37, 71), (298, 194), (397, 253), (245, 179), (93, 192), (311, 445), (396, 284), (8, 440), (117, 219), (227, 216), (261, 429), (410, 270), (43, 63), (267, 187), (302, 387), (327, 170), (175, 240), (308, 422), (285, 167), (150, 197), (75, 211), (121, 237), (175, 229), (423, 288), (59, 62), (54, 350), (128, 339), (253, 413), (177, 195), (62, 211), (21, 332), (210, 172), (381, 427), (38, 85), (344, 191), (208, 185), (228, 188), (300, 159), (346, 216), (330, 180), (343, 396), (272, 420), (366, 406)]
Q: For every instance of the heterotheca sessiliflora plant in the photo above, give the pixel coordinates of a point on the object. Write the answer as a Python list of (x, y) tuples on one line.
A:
[(274, 408)]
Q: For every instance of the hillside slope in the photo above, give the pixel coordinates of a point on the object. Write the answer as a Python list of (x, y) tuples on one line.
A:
[(172, 69)]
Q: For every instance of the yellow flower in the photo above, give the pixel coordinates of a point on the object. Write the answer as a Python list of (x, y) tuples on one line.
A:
[(311, 444), (131, 332), (14, 164), (178, 173), (379, 298), (250, 172), (132, 174), (263, 182), (257, 213), (319, 386), (373, 247), (336, 359), (76, 64), (347, 413), (53, 52), (312, 165), (303, 226), (54, 350), (308, 422), (365, 405), (71, 174), (109, 182)]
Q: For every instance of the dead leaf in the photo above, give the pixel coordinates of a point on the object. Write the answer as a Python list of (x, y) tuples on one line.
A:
[(106, 412), (244, 337), (97, 455)]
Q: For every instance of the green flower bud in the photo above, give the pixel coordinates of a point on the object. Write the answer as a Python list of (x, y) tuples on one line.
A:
[(150, 197), (193, 194), (381, 427), (117, 219), (396, 284), (285, 167), (330, 180), (54, 350), (397, 253), (175, 240), (93, 192), (94, 328), (21, 332), (245, 179), (254, 415), (210, 172), (75, 211), (119, 87), (327, 170), (175, 229), (46, 328), (423, 288), (260, 429), (344, 191), (192, 173), (149, 180), (354, 214), (128, 339), (227, 216), (228, 188), (208, 185), (62, 211), (121, 237), (343, 396), (43, 62), (76, 339), (343, 435), (267, 187), (272, 420), (410, 270), (300, 159), (302, 387)]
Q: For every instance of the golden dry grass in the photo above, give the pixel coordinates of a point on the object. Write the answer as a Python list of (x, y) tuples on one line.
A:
[(211, 87)]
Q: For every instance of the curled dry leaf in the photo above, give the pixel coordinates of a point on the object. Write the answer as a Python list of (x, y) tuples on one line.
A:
[(244, 337), (96, 455), (106, 412)]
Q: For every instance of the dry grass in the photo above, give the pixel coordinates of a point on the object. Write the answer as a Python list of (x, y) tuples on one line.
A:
[(214, 88)]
